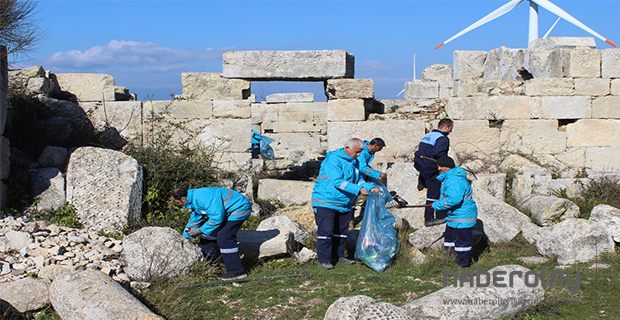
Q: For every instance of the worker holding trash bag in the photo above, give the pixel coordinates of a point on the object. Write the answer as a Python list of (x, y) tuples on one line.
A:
[(337, 186), (368, 154)]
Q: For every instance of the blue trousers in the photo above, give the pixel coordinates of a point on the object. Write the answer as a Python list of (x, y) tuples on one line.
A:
[(459, 242), (223, 243), (433, 190), (333, 228)]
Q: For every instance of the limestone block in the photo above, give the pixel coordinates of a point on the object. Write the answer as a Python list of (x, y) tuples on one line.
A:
[(532, 136), (510, 107), (48, 185), (548, 210), (549, 87), (606, 107), (593, 133), (295, 126), (543, 63), (293, 146), (563, 42), (398, 144), (232, 161), (615, 87), (603, 158), (125, 116), (209, 85), (504, 64), (592, 86), (610, 63), (87, 86), (469, 108), (289, 192), (609, 217), (226, 135), (576, 107), (288, 65), (467, 88), (582, 63), (346, 110), (421, 90), (469, 64), (24, 294), (501, 87), (290, 97), (442, 73), (403, 178), (349, 89), (474, 138), (255, 245), (179, 109), (239, 109)]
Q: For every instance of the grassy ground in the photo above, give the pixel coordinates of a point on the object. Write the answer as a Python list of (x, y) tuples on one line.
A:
[(309, 298)]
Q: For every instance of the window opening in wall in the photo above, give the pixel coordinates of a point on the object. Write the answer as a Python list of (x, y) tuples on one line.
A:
[(562, 123)]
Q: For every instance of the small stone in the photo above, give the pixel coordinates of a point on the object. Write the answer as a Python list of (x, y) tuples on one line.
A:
[(117, 248), (24, 251), (59, 258), (599, 266), (106, 270), (139, 285), (53, 229), (38, 261), (5, 268), (121, 277), (533, 260)]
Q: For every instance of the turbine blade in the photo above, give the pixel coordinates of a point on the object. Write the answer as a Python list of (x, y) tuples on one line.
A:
[(566, 16), (551, 29), (489, 17)]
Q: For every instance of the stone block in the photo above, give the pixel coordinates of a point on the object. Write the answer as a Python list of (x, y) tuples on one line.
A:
[(474, 138), (288, 192), (615, 87), (398, 144), (87, 86), (469, 108), (239, 109), (606, 107), (582, 63), (350, 89), (466, 88), (295, 146), (232, 161), (210, 85), (442, 73), (125, 116), (421, 90), (403, 178), (510, 107), (543, 63), (226, 135), (576, 107), (346, 110), (549, 87), (604, 159), (594, 133), (290, 97), (610, 63), (532, 137), (295, 126), (288, 65), (563, 42), (504, 64), (592, 86), (468, 64), (179, 109)]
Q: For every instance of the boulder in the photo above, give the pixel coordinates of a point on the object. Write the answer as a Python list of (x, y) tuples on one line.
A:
[(105, 187), (93, 295), (288, 192), (494, 184), (364, 307), (427, 237), (469, 64), (285, 225), (48, 185), (609, 217), (154, 252), (16, 240), (515, 298), (26, 294), (547, 210), (87, 86), (18, 79), (504, 64), (53, 156), (39, 86), (501, 221), (574, 240), (349, 89), (255, 245)]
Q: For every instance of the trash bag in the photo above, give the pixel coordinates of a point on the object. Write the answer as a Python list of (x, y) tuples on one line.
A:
[(377, 242), (266, 151)]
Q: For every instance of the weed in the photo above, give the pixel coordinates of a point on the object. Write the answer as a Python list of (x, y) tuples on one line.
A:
[(603, 190), (65, 216)]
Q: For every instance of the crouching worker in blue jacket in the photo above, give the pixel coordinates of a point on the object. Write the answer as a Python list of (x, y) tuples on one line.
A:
[(333, 197), (462, 212), (216, 216)]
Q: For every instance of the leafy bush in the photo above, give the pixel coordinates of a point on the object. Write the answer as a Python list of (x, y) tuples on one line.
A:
[(603, 190), (65, 216)]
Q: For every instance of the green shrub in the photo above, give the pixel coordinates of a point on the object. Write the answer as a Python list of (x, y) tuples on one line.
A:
[(603, 190), (65, 216)]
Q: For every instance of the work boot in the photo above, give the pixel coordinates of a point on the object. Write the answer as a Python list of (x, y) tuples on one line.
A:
[(345, 260), (326, 265), (232, 277), (434, 222)]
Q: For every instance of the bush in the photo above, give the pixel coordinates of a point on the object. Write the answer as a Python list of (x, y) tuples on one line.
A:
[(65, 216), (603, 190)]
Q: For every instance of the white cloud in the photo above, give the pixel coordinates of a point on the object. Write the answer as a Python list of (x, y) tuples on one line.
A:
[(375, 65)]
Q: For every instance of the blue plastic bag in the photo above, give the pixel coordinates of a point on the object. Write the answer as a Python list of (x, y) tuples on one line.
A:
[(266, 151), (377, 242)]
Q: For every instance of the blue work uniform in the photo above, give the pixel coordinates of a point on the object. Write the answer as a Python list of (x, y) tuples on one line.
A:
[(435, 145)]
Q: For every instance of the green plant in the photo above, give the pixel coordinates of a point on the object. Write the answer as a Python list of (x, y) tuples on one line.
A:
[(111, 234), (511, 174), (603, 190), (65, 216)]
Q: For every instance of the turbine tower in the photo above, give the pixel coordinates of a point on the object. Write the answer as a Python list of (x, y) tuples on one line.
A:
[(533, 26)]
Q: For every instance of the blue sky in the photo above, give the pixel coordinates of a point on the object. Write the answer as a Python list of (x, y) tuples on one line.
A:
[(146, 45)]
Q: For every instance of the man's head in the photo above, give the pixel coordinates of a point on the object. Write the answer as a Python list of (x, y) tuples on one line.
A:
[(353, 147), (445, 163), (445, 125), (376, 145), (180, 195)]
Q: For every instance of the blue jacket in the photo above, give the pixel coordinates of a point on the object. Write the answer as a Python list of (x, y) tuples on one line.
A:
[(456, 198), (365, 158), (212, 206), (256, 137), (339, 182), (434, 144)]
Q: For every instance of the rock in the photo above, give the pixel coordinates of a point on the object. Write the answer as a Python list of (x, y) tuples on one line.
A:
[(524, 184), (416, 257), (93, 295), (610, 63), (122, 94), (576, 107), (288, 192), (285, 225), (305, 255), (5, 268), (501, 221), (515, 298), (364, 307), (427, 237), (421, 90), (17, 240), (239, 109), (39, 86), (290, 97), (403, 179), (574, 240), (209, 85), (87, 86), (288, 65), (25, 294), (105, 187), (533, 260), (255, 245), (18, 79), (599, 266), (609, 217), (469, 64), (153, 253), (547, 210), (563, 42), (494, 184), (48, 185), (349, 89), (504, 64)]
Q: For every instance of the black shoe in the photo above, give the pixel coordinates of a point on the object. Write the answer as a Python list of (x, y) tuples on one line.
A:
[(346, 261), (326, 265), (233, 277), (434, 222)]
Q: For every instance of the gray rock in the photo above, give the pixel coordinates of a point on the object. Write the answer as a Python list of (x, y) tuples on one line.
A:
[(349, 89), (504, 64), (39, 86), (255, 245), (17, 240), (469, 64), (87, 86), (153, 253), (285, 225), (533, 260), (105, 187), (501, 221), (209, 85), (288, 65), (18, 79), (416, 257), (48, 185), (290, 97), (428, 237), (288, 192), (563, 42), (494, 184), (26, 294), (305, 255), (609, 217), (547, 210), (53, 156), (517, 297), (93, 295), (599, 266), (364, 307)]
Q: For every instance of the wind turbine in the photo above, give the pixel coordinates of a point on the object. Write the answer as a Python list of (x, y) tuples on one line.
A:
[(533, 27)]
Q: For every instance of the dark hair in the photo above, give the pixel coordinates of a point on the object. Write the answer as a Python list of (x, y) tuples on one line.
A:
[(377, 141), (179, 192), (445, 122)]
